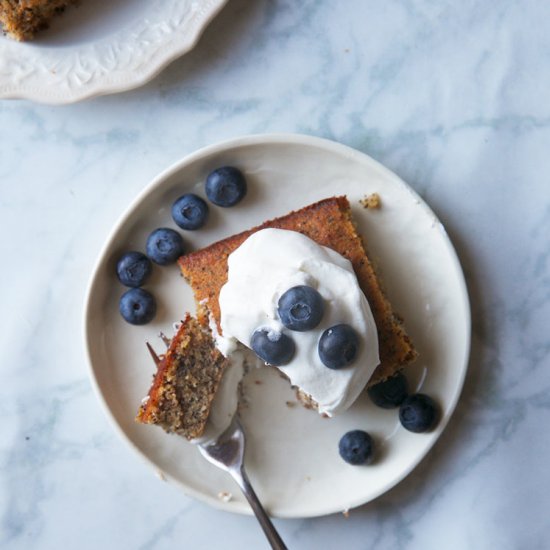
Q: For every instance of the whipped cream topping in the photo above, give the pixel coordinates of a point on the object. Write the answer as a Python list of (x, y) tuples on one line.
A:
[(266, 265)]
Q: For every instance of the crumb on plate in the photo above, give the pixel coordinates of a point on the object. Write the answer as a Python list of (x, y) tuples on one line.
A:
[(371, 201), (160, 475), (225, 496)]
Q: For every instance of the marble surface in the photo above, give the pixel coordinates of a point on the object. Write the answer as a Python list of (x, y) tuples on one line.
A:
[(452, 96)]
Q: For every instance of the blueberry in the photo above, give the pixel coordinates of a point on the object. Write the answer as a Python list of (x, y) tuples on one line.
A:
[(137, 306), (418, 413), (190, 211), (338, 346), (356, 447), (301, 308), (390, 393), (272, 347), (164, 246), (133, 269), (225, 186)]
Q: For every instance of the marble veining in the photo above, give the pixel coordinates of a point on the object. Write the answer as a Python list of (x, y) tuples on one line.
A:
[(453, 98)]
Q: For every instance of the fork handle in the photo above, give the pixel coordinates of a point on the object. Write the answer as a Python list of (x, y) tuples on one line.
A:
[(269, 529)]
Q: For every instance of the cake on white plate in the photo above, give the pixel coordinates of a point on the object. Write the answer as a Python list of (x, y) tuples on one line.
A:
[(317, 247)]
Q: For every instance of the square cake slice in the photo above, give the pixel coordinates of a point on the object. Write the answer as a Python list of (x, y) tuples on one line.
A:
[(329, 223), (22, 19)]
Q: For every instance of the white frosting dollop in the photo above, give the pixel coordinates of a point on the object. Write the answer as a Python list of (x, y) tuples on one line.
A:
[(266, 265)]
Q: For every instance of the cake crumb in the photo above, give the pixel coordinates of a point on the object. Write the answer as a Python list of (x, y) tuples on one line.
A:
[(345, 513), (160, 475), (258, 382), (22, 20), (371, 201), (290, 404), (306, 400), (225, 496)]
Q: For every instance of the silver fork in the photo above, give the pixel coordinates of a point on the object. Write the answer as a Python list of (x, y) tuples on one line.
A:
[(227, 453)]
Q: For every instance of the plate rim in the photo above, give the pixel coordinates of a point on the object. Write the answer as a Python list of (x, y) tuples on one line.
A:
[(267, 139), (180, 44)]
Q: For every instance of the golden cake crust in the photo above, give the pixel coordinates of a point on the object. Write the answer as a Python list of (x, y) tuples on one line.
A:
[(329, 223)]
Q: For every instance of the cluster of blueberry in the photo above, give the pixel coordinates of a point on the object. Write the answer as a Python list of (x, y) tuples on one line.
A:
[(225, 187), (418, 413), (301, 309)]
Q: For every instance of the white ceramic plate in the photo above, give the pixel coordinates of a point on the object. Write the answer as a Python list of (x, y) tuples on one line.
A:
[(292, 455), (102, 47)]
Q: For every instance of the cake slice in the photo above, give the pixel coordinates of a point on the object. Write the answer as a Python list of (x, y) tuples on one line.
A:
[(22, 19), (186, 382), (329, 223), (189, 375)]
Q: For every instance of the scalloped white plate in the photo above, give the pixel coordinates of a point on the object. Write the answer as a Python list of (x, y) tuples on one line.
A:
[(292, 455), (99, 48)]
